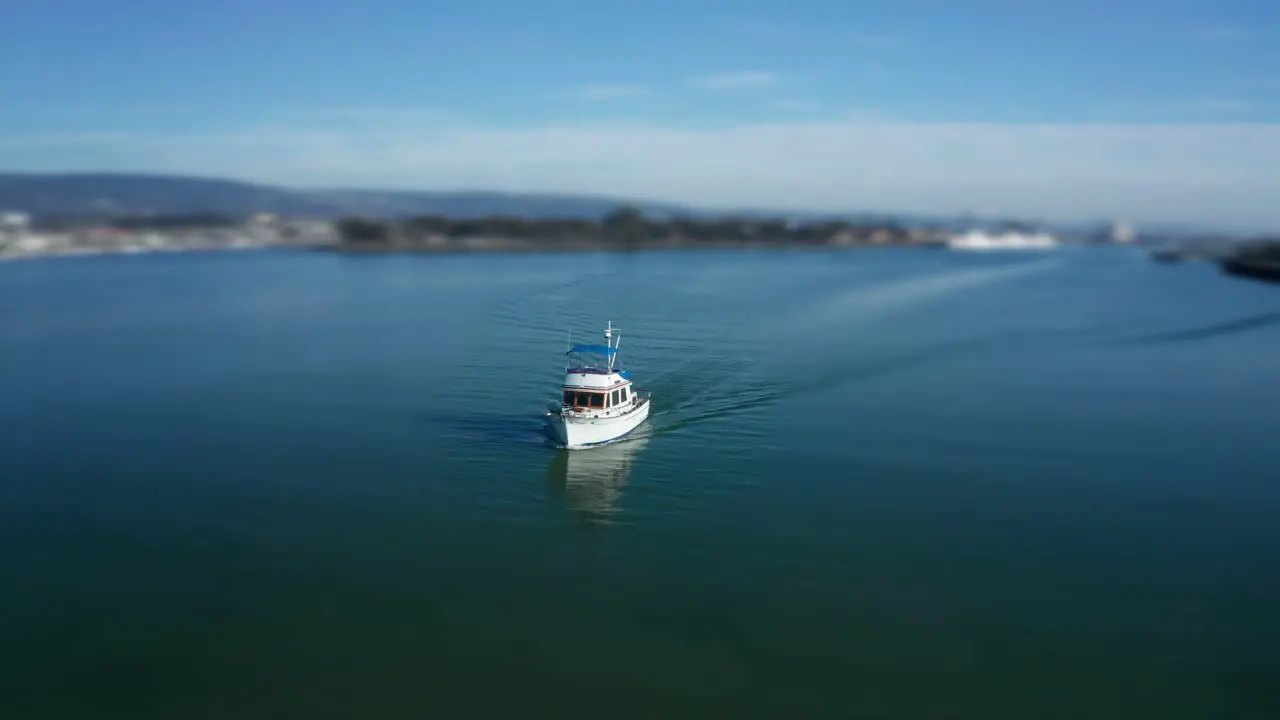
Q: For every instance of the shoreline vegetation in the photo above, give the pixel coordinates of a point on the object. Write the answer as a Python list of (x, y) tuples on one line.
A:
[(1257, 262), (623, 229)]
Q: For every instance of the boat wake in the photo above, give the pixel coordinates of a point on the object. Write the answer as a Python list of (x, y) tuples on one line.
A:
[(733, 398), (872, 301), (696, 391), (744, 368), (1205, 332)]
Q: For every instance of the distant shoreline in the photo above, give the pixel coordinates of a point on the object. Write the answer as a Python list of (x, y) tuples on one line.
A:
[(1252, 268), (495, 245), (625, 230), (458, 248)]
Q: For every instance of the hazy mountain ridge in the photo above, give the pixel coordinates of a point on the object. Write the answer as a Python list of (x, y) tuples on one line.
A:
[(44, 195), (117, 194)]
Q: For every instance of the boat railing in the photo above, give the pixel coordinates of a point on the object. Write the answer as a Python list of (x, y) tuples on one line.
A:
[(588, 370)]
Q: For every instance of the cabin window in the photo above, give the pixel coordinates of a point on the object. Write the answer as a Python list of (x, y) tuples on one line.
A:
[(613, 398), (584, 399), (597, 400), (569, 397), (624, 394)]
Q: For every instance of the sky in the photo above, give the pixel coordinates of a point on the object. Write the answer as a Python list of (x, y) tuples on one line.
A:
[(1146, 110)]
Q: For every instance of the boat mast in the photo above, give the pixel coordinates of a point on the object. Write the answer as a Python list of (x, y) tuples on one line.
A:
[(610, 343)]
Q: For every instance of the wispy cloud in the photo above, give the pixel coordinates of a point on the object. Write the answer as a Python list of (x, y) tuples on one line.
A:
[(874, 40), (1222, 32), (1218, 105), (610, 91), (1208, 172), (374, 113), (741, 80), (63, 140), (865, 115), (770, 31), (874, 71), (794, 104), (1252, 84)]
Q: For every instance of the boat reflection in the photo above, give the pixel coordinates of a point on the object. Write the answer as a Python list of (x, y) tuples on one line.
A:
[(590, 482)]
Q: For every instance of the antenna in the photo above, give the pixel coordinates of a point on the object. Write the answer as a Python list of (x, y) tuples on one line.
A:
[(611, 342)]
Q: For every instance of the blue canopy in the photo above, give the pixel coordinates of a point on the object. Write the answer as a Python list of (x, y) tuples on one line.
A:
[(598, 349)]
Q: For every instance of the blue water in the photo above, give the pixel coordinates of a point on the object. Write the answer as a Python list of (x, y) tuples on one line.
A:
[(898, 483)]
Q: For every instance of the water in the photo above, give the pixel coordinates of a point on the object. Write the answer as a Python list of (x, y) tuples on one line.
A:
[(876, 484)]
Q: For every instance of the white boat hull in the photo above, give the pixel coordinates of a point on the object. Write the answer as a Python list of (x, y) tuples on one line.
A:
[(583, 432), (978, 241)]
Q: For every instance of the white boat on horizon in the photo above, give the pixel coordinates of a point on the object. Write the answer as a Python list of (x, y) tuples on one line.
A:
[(978, 240), (598, 403)]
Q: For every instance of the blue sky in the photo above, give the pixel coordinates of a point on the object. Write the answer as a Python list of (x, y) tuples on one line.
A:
[(1152, 110)]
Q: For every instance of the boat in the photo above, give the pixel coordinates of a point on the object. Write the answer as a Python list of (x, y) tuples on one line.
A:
[(598, 402), (976, 240)]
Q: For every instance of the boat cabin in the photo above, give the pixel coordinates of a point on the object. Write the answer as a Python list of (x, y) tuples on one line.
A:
[(596, 399), (593, 385)]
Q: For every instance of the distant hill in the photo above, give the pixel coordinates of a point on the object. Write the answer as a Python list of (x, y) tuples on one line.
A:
[(118, 194), (111, 194), (104, 194), (467, 204)]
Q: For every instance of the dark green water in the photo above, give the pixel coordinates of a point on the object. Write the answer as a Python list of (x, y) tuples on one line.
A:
[(876, 484)]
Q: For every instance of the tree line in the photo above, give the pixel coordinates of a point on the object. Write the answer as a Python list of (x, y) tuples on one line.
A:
[(624, 226), (136, 222)]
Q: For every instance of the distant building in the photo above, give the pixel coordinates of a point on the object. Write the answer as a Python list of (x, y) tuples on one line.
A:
[(33, 244), (14, 221), (1008, 240), (881, 236), (1122, 232)]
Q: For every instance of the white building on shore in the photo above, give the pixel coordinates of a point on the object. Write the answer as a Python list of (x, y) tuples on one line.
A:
[(1122, 232), (979, 240), (15, 222)]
